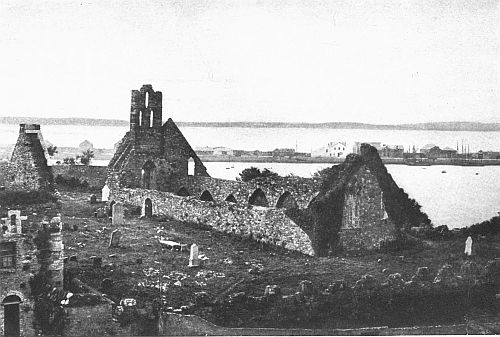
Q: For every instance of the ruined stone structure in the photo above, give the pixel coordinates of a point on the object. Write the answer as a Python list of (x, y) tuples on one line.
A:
[(28, 168), (19, 262), (152, 155), (355, 209)]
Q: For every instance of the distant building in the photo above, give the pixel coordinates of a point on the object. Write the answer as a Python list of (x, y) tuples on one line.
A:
[(86, 145), (427, 148), (333, 149), (283, 152), (392, 151), (357, 145), (223, 151), (448, 152)]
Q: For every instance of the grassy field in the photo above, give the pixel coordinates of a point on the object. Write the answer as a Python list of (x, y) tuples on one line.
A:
[(233, 264)]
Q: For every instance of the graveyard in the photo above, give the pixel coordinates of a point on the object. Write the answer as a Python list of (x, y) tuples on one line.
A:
[(234, 280)]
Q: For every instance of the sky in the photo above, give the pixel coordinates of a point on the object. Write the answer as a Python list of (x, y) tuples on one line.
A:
[(292, 61)]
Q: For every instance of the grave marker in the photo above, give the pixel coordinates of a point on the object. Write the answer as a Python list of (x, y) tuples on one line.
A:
[(118, 214), (105, 193), (193, 256), (468, 246), (93, 199), (13, 221), (114, 240)]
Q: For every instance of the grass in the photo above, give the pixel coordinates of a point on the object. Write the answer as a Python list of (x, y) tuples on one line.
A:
[(230, 258)]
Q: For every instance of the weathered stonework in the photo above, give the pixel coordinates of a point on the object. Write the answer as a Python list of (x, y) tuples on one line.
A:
[(28, 169), (365, 223), (151, 155), (350, 214), (270, 225), (17, 270)]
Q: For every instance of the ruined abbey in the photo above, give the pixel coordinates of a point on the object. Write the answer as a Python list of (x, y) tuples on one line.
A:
[(356, 210)]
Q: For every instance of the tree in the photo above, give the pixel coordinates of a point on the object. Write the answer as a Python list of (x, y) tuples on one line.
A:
[(253, 172), (86, 157), (69, 161), (52, 150)]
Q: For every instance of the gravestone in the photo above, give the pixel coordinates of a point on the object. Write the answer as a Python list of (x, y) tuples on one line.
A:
[(118, 214), (114, 240), (193, 256), (468, 246), (13, 221), (93, 199), (105, 193)]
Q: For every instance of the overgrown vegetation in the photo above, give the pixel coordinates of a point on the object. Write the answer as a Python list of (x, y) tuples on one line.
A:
[(49, 315), (71, 183), (86, 157), (9, 198), (327, 208), (253, 173)]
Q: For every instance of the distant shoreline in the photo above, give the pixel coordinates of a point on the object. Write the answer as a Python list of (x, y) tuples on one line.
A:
[(431, 126)]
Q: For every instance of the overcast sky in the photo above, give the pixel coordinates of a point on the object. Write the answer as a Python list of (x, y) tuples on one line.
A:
[(311, 61)]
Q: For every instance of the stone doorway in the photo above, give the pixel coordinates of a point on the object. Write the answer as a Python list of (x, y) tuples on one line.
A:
[(148, 175), (11, 326), (148, 208)]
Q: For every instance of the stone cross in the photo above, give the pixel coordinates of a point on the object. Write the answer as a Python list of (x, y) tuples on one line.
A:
[(13, 221), (114, 240), (118, 214), (193, 256), (468, 246), (105, 193)]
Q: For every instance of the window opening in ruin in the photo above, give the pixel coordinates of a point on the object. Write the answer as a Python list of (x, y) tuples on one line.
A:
[(148, 175), (148, 208), (13, 220), (183, 192), (150, 118), (140, 118), (7, 254), (258, 198), (206, 196), (146, 99), (231, 198), (11, 326), (286, 201), (191, 167)]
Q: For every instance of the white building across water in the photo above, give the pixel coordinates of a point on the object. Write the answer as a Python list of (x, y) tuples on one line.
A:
[(333, 149)]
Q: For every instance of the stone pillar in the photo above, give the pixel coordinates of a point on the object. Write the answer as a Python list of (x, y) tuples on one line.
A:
[(137, 102)]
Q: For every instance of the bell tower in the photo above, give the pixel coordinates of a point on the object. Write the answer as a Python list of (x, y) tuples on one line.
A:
[(146, 108)]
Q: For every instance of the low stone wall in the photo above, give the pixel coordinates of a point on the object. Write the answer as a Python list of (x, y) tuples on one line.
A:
[(95, 176), (266, 224), (302, 190)]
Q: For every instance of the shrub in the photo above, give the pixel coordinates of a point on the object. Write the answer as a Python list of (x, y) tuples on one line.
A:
[(71, 182), (253, 173)]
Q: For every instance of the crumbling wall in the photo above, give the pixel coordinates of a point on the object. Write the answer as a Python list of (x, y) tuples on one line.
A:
[(302, 190), (266, 224), (28, 169), (364, 220), (95, 176)]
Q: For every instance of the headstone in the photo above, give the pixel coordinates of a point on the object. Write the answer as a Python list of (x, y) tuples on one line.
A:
[(193, 256), (105, 193), (468, 246), (118, 214), (93, 199), (114, 240)]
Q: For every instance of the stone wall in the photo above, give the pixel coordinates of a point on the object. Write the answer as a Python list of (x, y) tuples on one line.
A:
[(364, 219), (267, 224), (95, 176), (28, 168), (301, 190)]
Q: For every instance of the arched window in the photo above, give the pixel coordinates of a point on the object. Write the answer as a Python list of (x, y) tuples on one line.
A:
[(231, 198), (151, 118), (148, 208), (258, 198), (11, 315), (191, 167), (140, 117), (183, 192), (148, 175), (206, 196), (146, 99), (286, 201)]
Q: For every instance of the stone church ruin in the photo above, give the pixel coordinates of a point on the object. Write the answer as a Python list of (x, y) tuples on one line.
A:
[(355, 206)]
